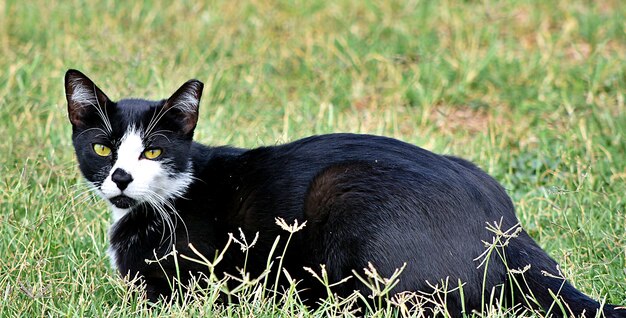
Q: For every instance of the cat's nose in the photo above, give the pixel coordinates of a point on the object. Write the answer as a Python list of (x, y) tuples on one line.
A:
[(121, 178)]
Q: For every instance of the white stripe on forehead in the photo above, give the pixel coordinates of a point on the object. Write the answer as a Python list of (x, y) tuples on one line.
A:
[(131, 147)]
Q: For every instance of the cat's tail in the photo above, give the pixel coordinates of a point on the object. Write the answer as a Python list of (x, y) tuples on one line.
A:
[(538, 282)]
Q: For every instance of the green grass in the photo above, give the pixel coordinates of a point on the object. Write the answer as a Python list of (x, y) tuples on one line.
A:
[(532, 91)]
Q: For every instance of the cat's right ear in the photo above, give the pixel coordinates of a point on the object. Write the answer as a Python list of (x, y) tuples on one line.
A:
[(183, 105), (83, 97)]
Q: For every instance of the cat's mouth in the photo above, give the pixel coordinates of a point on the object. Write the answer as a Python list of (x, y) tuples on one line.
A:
[(123, 202)]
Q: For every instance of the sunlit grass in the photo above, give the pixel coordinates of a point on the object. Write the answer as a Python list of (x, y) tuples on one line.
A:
[(532, 91)]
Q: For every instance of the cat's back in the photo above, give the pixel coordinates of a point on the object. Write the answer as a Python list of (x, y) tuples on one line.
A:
[(283, 177), (298, 162), (318, 152)]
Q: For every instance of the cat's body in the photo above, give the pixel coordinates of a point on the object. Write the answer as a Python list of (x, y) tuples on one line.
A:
[(364, 198)]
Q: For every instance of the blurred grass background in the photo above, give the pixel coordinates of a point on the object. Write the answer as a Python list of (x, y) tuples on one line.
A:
[(532, 91)]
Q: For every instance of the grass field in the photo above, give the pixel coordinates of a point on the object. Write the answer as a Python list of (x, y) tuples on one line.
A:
[(532, 91)]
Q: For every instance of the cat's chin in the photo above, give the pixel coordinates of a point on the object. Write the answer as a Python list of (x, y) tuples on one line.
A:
[(123, 202)]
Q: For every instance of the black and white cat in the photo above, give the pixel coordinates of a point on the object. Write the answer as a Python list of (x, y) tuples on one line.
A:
[(364, 198)]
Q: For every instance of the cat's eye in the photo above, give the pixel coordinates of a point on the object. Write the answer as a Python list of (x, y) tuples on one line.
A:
[(101, 150), (152, 153)]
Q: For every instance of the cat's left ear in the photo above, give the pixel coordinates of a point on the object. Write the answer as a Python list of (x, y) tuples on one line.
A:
[(184, 103), (84, 98)]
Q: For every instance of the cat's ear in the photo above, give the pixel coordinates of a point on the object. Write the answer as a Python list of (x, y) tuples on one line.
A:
[(183, 105), (83, 97)]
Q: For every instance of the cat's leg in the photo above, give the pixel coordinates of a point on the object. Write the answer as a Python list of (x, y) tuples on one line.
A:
[(156, 286), (156, 292)]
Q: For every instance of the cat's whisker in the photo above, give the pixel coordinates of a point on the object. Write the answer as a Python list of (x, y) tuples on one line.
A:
[(149, 128), (106, 116), (178, 216), (162, 112), (152, 123), (157, 201), (103, 116), (79, 198), (93, 128), (160, 217), (103, 113), (152, 135), (172, 194), (155, 206), (174, 221), (80, 189), (164, 202), (154, 120), (83, 195), (77, 186), (146, 208)]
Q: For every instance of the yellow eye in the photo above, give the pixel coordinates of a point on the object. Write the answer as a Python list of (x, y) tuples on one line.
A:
[(101, 150), (152, 153)]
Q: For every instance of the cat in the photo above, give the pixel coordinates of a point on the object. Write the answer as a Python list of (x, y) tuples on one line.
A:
[(364, 199)]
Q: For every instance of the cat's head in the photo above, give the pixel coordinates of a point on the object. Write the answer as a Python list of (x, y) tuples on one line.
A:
[(133, 151)]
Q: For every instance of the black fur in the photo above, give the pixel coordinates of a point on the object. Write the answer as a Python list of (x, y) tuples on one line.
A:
[(365, 199)]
